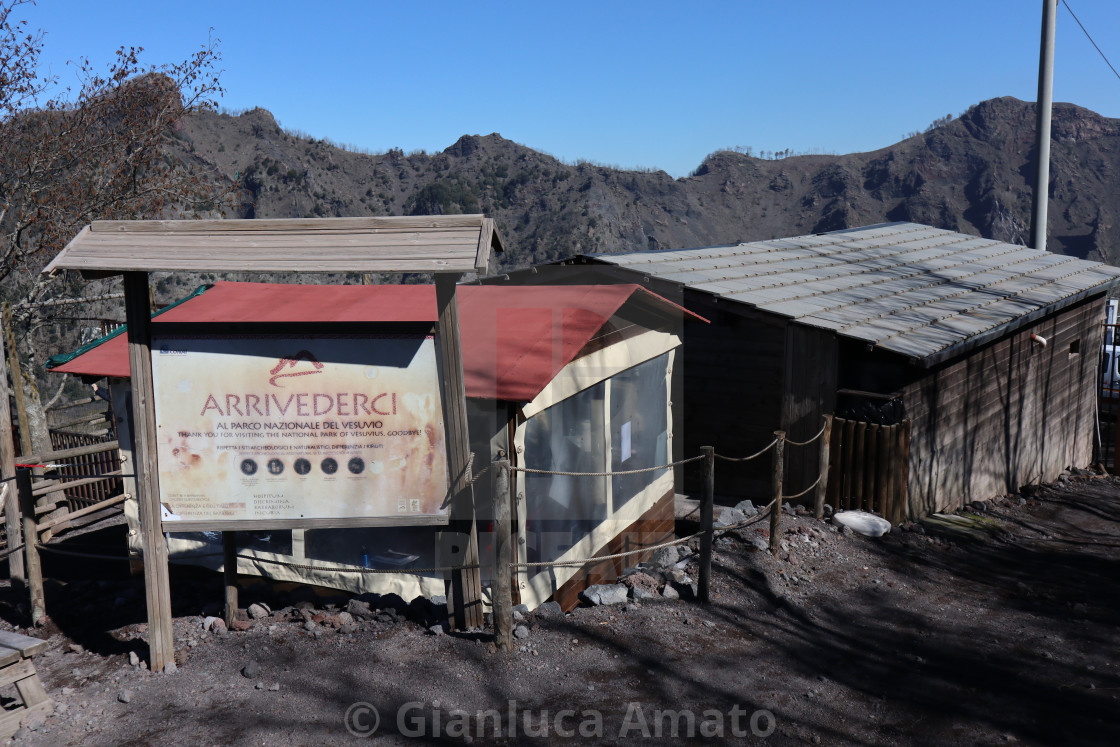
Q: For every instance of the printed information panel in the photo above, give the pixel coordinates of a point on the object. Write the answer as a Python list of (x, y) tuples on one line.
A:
[(275, 428)]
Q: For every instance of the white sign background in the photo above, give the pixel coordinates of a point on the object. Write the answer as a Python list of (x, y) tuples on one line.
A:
[(284, 429)]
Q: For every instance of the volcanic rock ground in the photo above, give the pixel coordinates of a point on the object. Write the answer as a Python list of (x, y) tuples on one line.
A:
[(1004, 633)]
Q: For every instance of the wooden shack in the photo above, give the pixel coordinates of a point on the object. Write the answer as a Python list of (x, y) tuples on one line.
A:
[(574, 378), (967, 365)]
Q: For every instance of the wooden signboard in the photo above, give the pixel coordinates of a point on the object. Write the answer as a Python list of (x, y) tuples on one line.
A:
[(277, 430)]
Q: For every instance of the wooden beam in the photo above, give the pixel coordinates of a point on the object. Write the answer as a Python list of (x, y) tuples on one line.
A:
[(161, 642), (17, 380), (501, 587), (12, 523), (707, 528), (465, 599), (50, 456), (31, 547), (229, 575), (823, 454), (777, 476)]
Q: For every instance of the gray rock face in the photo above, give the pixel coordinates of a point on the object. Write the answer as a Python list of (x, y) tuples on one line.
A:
[(729, 516), (642, 594), (520, 632), (551, 609), (669, 592), (251, 670), (604, 594), (747, 507), (665, 557), (257, 611), (358, 608)]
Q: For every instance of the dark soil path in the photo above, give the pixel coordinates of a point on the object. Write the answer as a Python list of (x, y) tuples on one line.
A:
[(1005, 634)]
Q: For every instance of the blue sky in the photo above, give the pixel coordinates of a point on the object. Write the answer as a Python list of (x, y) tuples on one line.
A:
[(632, 84)]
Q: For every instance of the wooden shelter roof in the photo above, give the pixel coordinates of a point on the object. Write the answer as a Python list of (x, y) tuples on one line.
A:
[(915, 290), (515, 338), (432, 243)]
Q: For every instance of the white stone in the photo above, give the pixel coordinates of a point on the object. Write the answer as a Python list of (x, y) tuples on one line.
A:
[(861, 522)]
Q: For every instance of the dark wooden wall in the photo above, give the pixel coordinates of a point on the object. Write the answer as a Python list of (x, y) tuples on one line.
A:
[(809, 391), (734, 373), (1008, 414)]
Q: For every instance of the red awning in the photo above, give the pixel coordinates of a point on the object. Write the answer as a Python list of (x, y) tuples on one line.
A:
[(515, 339)]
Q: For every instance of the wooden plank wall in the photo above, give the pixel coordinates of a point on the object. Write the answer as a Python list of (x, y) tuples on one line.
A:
[(656, 525), (867, 467), (1009, 414), (809, 393), (733, 395)]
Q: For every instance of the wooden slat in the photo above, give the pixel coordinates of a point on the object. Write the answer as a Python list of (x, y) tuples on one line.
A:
[(859, 462), (849, 444), (286, 225), (870, 468), (441, 244), (25, 644), (13, 525), (15, 672)]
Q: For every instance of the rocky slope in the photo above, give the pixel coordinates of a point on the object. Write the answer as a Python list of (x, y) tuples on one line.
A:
[(971, 174)]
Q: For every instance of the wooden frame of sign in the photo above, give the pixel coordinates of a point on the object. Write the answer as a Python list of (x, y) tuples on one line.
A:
[(446, 245)]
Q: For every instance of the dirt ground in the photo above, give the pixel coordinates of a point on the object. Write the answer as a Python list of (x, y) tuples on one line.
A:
[(1003, 634)]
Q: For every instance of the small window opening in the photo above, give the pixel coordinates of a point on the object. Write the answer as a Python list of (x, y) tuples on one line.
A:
[(1075, 348)]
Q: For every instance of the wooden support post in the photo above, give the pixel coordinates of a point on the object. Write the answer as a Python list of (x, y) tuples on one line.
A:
[(859, 465), (776, 479), (847, 458), (501, 587), (157, 584), (902, 509), (13, 526), (823, 453), (707, 510), (31, 547), (466, 585), (17, 380), (229, 575)]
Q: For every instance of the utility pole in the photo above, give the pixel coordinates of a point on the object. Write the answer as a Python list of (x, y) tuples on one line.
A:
[(1042, 124)]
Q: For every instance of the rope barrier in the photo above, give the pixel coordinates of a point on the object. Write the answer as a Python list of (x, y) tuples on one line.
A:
[(529, 471), (806, 490), (600, 558), (806, 443), (756, 455)]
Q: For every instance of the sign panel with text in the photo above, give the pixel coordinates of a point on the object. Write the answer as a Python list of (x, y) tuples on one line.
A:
[(287, 430)]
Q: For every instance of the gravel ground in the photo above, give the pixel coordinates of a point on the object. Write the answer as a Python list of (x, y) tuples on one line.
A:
[(1002, 634)]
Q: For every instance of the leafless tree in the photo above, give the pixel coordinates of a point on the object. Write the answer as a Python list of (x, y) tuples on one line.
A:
[(70, 156)]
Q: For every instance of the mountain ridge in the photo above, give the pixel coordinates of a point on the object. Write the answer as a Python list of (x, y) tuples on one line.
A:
[(971, 174)]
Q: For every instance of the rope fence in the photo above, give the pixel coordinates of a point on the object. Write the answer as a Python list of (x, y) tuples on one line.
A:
[(504, 569)]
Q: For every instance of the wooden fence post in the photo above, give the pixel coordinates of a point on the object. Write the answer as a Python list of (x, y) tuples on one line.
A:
[(465, 599), (501, 586), (823, 454), (157, 584), (776, 479), (12, 523), (707, 509), (31, 547), (229, 575)]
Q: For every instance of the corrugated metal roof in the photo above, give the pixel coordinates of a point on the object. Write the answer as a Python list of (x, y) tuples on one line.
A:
[(904, 287)]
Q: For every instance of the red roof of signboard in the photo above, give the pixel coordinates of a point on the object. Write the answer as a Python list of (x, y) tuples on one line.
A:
[(515, 339)]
